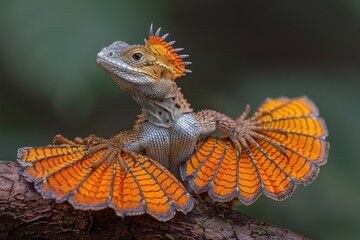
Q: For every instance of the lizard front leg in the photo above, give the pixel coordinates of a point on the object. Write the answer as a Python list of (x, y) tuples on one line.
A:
[(129, 140), (211, 120), (126, 141), (240, 131)]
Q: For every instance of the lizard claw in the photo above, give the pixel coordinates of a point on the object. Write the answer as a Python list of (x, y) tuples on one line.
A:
[(62, 140), (90, 140), (112, 153), (93, 145)]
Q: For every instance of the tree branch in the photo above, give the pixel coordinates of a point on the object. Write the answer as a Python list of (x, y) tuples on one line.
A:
[(25, 214)]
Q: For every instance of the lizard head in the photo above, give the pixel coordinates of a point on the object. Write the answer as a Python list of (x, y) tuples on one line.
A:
[(150, 64)]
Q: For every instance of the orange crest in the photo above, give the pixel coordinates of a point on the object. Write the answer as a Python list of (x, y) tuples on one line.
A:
[(166, 54)]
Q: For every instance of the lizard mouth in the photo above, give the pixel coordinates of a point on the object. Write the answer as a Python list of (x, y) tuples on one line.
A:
[(108, 63)]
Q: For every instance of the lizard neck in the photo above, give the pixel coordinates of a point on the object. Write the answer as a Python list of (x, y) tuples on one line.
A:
[(164, 105)]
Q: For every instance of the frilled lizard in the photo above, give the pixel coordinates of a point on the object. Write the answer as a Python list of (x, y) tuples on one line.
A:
[(281, 146)]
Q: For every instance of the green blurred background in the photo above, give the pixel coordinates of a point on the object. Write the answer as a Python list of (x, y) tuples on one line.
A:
[(241, 53)]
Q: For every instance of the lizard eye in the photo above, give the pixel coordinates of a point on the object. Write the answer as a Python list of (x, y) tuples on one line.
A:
[(137, 56)]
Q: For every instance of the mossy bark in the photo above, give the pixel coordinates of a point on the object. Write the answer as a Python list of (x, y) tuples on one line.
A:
[(24, 214)]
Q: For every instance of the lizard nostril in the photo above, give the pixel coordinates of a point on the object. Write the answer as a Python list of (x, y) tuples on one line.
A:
[(111, 54)]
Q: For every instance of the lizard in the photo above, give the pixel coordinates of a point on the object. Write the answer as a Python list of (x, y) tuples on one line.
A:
[(144, 169)]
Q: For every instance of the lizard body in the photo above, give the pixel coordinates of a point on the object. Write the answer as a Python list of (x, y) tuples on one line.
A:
[(140, 170), (168, 129)]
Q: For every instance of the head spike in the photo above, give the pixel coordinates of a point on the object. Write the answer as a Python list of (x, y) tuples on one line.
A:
[(183, 56), (171, 43), (187, 71), (165, 36), (151, 30), (145, 41), (187, 63), (165, 54), (158, 32)]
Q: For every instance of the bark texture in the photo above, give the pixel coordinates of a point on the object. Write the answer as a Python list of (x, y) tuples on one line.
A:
[(25, 215)]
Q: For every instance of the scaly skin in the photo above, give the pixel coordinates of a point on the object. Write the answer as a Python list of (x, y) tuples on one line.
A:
[(167, 129), (281, 146)]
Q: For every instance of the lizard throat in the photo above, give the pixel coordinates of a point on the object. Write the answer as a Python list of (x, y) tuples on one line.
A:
[(164, 112)]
